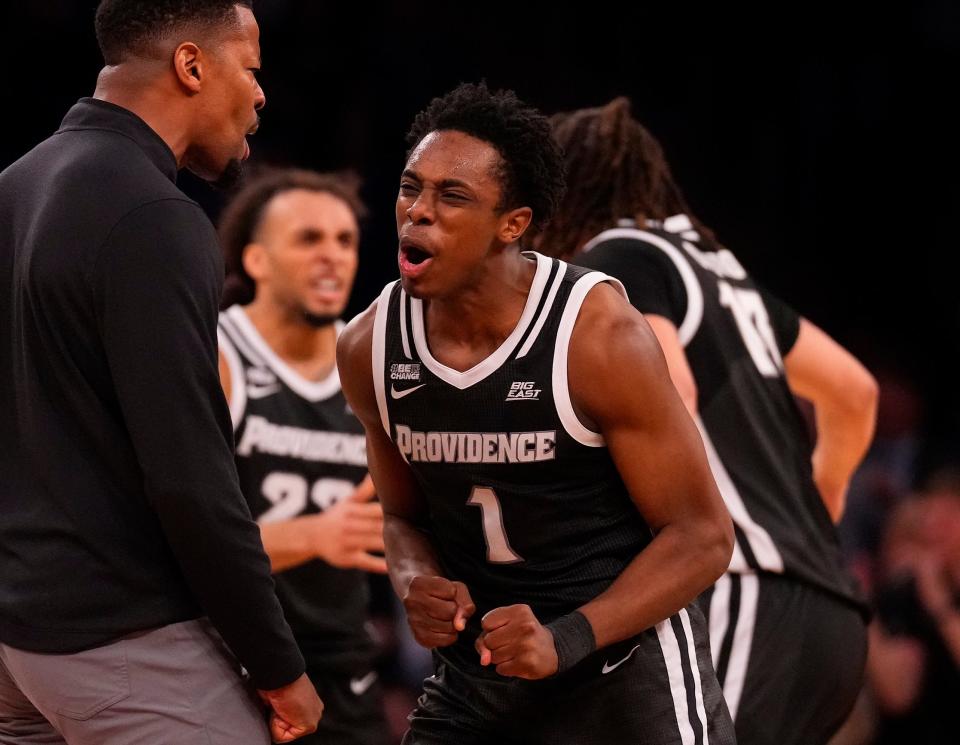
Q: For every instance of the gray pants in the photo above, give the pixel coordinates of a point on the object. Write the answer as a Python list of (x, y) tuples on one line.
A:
[(176, 685)]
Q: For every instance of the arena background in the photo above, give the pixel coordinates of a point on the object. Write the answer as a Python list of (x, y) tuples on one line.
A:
[(821, 145)]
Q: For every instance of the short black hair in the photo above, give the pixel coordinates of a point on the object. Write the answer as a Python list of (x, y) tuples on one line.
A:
[(242, 217), (131, 27), (532, 163)]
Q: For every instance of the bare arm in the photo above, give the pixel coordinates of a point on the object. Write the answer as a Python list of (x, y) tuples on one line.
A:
[(677, 365), (437, 608), (844, 397), (343, 536), (225, 382), (625, 389)]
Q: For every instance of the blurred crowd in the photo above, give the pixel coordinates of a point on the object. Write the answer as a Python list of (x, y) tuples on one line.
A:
[(901, 538)]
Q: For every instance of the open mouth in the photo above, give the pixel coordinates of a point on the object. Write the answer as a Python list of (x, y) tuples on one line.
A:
[(326, 289), (413, 258), (325, 284), (416, 255)]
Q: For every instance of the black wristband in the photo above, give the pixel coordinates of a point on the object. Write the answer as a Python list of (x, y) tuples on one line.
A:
[(573, 639)]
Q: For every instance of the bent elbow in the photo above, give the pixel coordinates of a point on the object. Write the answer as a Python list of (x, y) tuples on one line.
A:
[(725, 545), (869, 393), (859, 395), (718, 549)]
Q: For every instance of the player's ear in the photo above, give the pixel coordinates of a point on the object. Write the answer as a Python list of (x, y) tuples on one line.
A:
[(254, 259), (188, 66), (514, 224)]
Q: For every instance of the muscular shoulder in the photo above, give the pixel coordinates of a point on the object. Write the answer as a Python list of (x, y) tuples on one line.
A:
[(356, 340), (606, 323), (614, 355), (355, 362)]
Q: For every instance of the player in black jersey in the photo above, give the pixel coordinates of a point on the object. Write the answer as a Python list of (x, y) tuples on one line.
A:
[(787, 633), (550, 516), (291, 239)]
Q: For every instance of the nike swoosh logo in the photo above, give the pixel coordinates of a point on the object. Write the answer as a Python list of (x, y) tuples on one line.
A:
[(359, 686), (405, 392), (608, 668), (262, 391)]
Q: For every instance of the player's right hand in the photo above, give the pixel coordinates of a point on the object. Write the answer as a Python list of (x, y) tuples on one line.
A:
[(350, 533), (295, 710), (437, 610)]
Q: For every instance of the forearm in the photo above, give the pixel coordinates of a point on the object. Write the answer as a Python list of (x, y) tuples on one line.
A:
[(843, 436), (173, 408), (221, 557), (409, 553), (679, 564), (288, 544)]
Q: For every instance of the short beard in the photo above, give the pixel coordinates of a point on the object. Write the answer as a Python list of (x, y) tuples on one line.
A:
[(317, 321), (230, 177)]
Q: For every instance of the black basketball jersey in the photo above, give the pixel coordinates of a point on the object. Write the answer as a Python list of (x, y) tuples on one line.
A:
[(735, 336), (299, 450), (525, 504)]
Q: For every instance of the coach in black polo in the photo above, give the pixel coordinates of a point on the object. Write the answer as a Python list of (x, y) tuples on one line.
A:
[(122, 527)]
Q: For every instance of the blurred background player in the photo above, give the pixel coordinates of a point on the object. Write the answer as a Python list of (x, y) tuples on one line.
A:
[(786, 626), (914, 661), (550, 516), (291, 242)]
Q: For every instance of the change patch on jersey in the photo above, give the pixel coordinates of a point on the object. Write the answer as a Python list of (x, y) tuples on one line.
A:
[(405, 371)]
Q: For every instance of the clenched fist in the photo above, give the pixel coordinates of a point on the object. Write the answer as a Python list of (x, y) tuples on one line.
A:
[(517, 643), (437, 610)]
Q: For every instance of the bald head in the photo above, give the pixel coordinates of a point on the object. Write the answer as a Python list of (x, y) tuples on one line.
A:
[(148, 29)]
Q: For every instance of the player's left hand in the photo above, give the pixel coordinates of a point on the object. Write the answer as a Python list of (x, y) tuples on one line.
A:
[(517, 643)]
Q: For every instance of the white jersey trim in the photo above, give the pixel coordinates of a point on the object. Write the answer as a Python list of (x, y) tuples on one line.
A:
[(694, 315), (238, 386), (697, 673), (561, 384), (670, 647), (240, 344), (742, 642), (319, 390), (762, 545), (551, 296), (719, 615), (379, 353), (494, 361), (403, 325)]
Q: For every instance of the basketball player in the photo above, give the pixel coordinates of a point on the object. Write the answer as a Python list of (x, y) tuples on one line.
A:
[(786, 628), (549, 512), (290, 239)]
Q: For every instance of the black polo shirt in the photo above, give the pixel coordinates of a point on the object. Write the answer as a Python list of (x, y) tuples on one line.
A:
[(119, 503)]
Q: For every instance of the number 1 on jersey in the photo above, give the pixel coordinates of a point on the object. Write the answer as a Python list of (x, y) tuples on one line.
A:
[(498, 547)]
